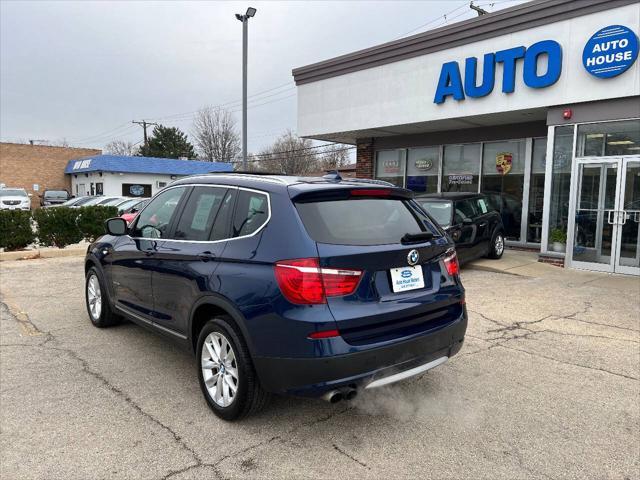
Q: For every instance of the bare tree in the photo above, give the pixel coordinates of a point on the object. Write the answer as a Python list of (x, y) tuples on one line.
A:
[(216, 135), (121, 147), (334, 156), (290, 155)]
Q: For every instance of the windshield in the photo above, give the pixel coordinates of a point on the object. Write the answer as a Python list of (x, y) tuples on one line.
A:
[(440, 211), (128, 203), (55, 194), (12, 192), (362, 221)]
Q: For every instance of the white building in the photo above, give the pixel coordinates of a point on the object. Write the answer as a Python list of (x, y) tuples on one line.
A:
[(539, 103), (116, 175)]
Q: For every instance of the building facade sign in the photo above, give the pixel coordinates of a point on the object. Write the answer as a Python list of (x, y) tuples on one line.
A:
[(610, 51), (451, 84)]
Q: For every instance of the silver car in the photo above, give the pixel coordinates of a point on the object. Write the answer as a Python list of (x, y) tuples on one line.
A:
[(14, 199)]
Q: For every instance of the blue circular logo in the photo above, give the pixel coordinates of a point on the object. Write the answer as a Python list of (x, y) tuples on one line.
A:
[(610, 51)]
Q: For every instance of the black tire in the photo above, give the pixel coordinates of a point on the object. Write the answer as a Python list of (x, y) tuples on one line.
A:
[(496, 247), (106, 318), (249, 398)]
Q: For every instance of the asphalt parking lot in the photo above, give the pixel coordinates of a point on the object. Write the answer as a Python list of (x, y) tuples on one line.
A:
[(546, 386)]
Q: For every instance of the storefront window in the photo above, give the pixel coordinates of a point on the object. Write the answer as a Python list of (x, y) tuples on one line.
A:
[(390, 166), (461, 167), (423, 169), (609, 139), (560, 183), (536, 190), (503, 181)]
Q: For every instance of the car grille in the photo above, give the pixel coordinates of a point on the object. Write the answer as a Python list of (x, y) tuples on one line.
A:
[(11, 202)]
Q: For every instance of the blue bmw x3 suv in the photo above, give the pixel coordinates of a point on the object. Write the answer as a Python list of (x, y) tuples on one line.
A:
[(315, 287)]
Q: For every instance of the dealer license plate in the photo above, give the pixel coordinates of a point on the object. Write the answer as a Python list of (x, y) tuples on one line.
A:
[(407, 278)]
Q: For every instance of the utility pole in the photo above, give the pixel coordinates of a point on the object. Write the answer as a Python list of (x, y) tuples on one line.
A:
[(144, 127), (245, 35), (481, 11)]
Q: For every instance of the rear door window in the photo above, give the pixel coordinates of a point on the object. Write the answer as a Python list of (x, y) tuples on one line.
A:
[(199, 213), (362, 221), (252, 212), (222, 223)]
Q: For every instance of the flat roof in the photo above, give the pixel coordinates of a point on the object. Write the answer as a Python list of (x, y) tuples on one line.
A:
[(132, 164)]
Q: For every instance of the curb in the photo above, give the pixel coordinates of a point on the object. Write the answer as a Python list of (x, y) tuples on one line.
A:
[(42, 253)]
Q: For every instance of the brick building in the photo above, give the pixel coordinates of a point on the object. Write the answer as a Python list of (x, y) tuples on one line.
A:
[(37, 167)]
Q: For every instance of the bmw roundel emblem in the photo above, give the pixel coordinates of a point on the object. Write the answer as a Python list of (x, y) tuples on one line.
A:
[(413, 257)]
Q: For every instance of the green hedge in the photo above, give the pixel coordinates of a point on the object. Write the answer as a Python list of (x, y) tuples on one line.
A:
[(15, 229), (57, 227), (91, 220)]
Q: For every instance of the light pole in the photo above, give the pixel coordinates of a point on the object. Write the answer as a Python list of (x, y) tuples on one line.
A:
[(245, 29)]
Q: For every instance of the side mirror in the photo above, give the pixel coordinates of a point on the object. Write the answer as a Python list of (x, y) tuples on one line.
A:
[(467, 221), (116, 226)]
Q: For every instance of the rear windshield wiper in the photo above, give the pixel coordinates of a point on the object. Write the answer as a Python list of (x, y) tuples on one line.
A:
[(416, 237)]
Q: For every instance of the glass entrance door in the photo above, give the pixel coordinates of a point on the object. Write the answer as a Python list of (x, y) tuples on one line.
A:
[(604, 217), (628, 260)]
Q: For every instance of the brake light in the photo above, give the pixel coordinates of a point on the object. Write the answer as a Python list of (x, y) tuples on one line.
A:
[(303, 282), (452, 265), (324, 334), (371, 192)]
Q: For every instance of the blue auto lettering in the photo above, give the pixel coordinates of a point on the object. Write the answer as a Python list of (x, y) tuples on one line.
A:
[(508, 59), (488, 76), (554, 64), (449, 83)]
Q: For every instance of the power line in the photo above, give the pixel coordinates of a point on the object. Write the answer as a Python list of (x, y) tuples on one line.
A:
[(144, 124)]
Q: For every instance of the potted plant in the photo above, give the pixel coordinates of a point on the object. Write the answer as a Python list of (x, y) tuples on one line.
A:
[(558, 239)]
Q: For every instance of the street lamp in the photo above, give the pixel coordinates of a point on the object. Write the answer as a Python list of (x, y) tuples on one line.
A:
[(245, 27)]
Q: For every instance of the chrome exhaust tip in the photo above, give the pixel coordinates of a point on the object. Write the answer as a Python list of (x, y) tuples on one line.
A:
[(333, 396), (350, 394)]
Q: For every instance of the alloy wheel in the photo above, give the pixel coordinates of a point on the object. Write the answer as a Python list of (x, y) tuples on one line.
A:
[(219, 369), (94, 297), (499, 245)]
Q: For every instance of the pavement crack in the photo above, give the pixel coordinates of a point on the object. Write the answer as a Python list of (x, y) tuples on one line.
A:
[(488, 319), (86, 368), (568, 363), (350, 457)]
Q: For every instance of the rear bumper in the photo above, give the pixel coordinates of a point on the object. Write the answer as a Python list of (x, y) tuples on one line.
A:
[(311, 377)]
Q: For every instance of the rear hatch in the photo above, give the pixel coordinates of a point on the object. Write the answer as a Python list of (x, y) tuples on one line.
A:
[(404, 286)]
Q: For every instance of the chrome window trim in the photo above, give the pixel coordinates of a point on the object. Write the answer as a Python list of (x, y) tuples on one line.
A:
[(230, 187)]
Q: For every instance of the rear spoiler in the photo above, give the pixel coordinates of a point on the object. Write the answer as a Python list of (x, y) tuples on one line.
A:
[(346, 191)]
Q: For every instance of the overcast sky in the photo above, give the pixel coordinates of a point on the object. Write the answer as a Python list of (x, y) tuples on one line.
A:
[(81, 71)]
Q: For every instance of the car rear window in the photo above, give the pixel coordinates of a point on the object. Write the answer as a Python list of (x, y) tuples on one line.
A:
[(440, 211), (364, 221), (55, 194)]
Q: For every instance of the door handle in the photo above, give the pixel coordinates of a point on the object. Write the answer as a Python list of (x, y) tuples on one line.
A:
[(609, 217), (206, 256), (624, 217)]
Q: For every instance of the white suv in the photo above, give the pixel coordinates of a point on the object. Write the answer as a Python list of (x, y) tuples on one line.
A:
[(14, 199)]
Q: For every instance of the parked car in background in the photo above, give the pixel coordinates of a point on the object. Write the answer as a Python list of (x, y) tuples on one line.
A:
[(53, 197), (471, 221), (510, 209), (95, 200), (302, 286), (131, 212), (14, 199), (71, 202)]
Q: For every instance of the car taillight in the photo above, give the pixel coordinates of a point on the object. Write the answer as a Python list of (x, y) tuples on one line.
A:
[(303, 282), (452, 265), (324, 334)]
